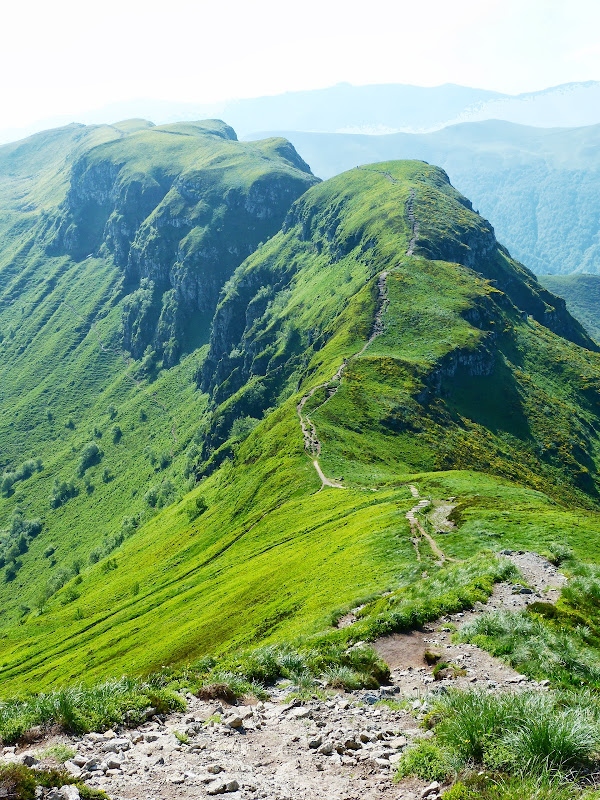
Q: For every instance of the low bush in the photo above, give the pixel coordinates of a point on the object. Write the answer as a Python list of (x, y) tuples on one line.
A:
[(426, 760)]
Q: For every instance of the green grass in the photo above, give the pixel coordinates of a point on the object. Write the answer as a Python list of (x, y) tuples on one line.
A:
[(582, 293), (139, 579), (526, 745)]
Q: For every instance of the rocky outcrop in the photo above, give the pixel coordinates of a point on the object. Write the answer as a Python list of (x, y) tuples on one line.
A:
[(180, 218)]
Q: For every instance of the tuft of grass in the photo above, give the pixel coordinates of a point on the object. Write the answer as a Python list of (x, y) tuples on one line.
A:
[(529, 733), (81, 709), (426, 760), (59, 752)]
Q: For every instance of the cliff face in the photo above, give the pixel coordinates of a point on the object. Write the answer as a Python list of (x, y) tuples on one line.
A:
[(178, 211)]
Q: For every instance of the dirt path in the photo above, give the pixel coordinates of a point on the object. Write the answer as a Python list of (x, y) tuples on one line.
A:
[(405, 653), (418, 530), (326, 481), (312, 443)]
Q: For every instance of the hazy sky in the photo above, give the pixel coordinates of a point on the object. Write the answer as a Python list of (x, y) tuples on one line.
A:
[(68, 56)]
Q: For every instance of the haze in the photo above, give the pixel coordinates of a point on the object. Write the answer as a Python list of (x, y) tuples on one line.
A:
[(68, 57)]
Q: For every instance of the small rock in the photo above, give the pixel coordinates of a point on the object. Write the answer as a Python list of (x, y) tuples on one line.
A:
[(433, 788), (113, 763), (115, 745), (109, 735), (300, 713), (326, 749), (177, 779), (315, 742), (64, 793), (214, 769), (221, 787), (382, 763), (73, 769), (29, 760), (234, 721)]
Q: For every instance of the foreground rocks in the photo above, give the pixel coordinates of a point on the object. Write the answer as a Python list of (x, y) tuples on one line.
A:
[(343, 747)]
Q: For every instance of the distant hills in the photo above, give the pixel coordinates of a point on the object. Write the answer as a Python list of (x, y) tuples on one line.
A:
[(538, 186), (373, 109), (582, 293)]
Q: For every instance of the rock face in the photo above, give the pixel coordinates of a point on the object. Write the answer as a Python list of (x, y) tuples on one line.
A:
[(178, 208)]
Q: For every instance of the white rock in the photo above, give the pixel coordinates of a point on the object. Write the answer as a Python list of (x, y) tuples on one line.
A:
[(73, 769), (433, 788), (115, 745)]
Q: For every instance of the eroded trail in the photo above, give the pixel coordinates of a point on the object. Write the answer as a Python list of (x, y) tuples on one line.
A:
[(418, 530), (312, 443)]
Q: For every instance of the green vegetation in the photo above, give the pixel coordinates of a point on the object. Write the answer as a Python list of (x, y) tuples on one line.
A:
[(582, 293), (525, 745), (175, 482), (20, 782), (79, 709)]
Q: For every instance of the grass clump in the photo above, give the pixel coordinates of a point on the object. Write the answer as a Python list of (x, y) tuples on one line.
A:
[(59, 752), (251, 671), (22, 783), (426, 760), (82, 709), (527, 733)]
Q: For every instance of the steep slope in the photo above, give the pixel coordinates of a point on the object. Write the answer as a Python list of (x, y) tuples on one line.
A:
[(537, 186), (582, 294), (384, 320), (115, 240)]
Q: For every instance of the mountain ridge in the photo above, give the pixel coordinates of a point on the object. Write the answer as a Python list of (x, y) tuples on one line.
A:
[(186, 490)]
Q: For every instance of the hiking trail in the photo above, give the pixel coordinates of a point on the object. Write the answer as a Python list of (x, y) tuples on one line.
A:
[(312, 443)]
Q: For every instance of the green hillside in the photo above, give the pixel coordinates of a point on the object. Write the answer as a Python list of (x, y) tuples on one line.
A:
[(181, 510), (582, 293), (537, 186), (108, 429)]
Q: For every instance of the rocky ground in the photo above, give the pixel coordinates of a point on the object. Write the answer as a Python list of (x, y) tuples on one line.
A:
[(341, 748)]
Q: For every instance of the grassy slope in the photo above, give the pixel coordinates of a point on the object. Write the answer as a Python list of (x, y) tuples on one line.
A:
[(272, 557), (582, 293), (64, 379), (536, 185)]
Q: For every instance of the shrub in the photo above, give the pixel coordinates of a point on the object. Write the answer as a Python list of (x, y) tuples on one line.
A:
[(62, 491), (90, 455), (426, 760), (116, 434), (196, 507)]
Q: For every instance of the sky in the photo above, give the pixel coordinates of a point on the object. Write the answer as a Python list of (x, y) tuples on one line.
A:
[(69, 56)]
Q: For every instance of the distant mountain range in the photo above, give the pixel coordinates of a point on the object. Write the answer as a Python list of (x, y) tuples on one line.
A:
[(375, 109), (538, 186)]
